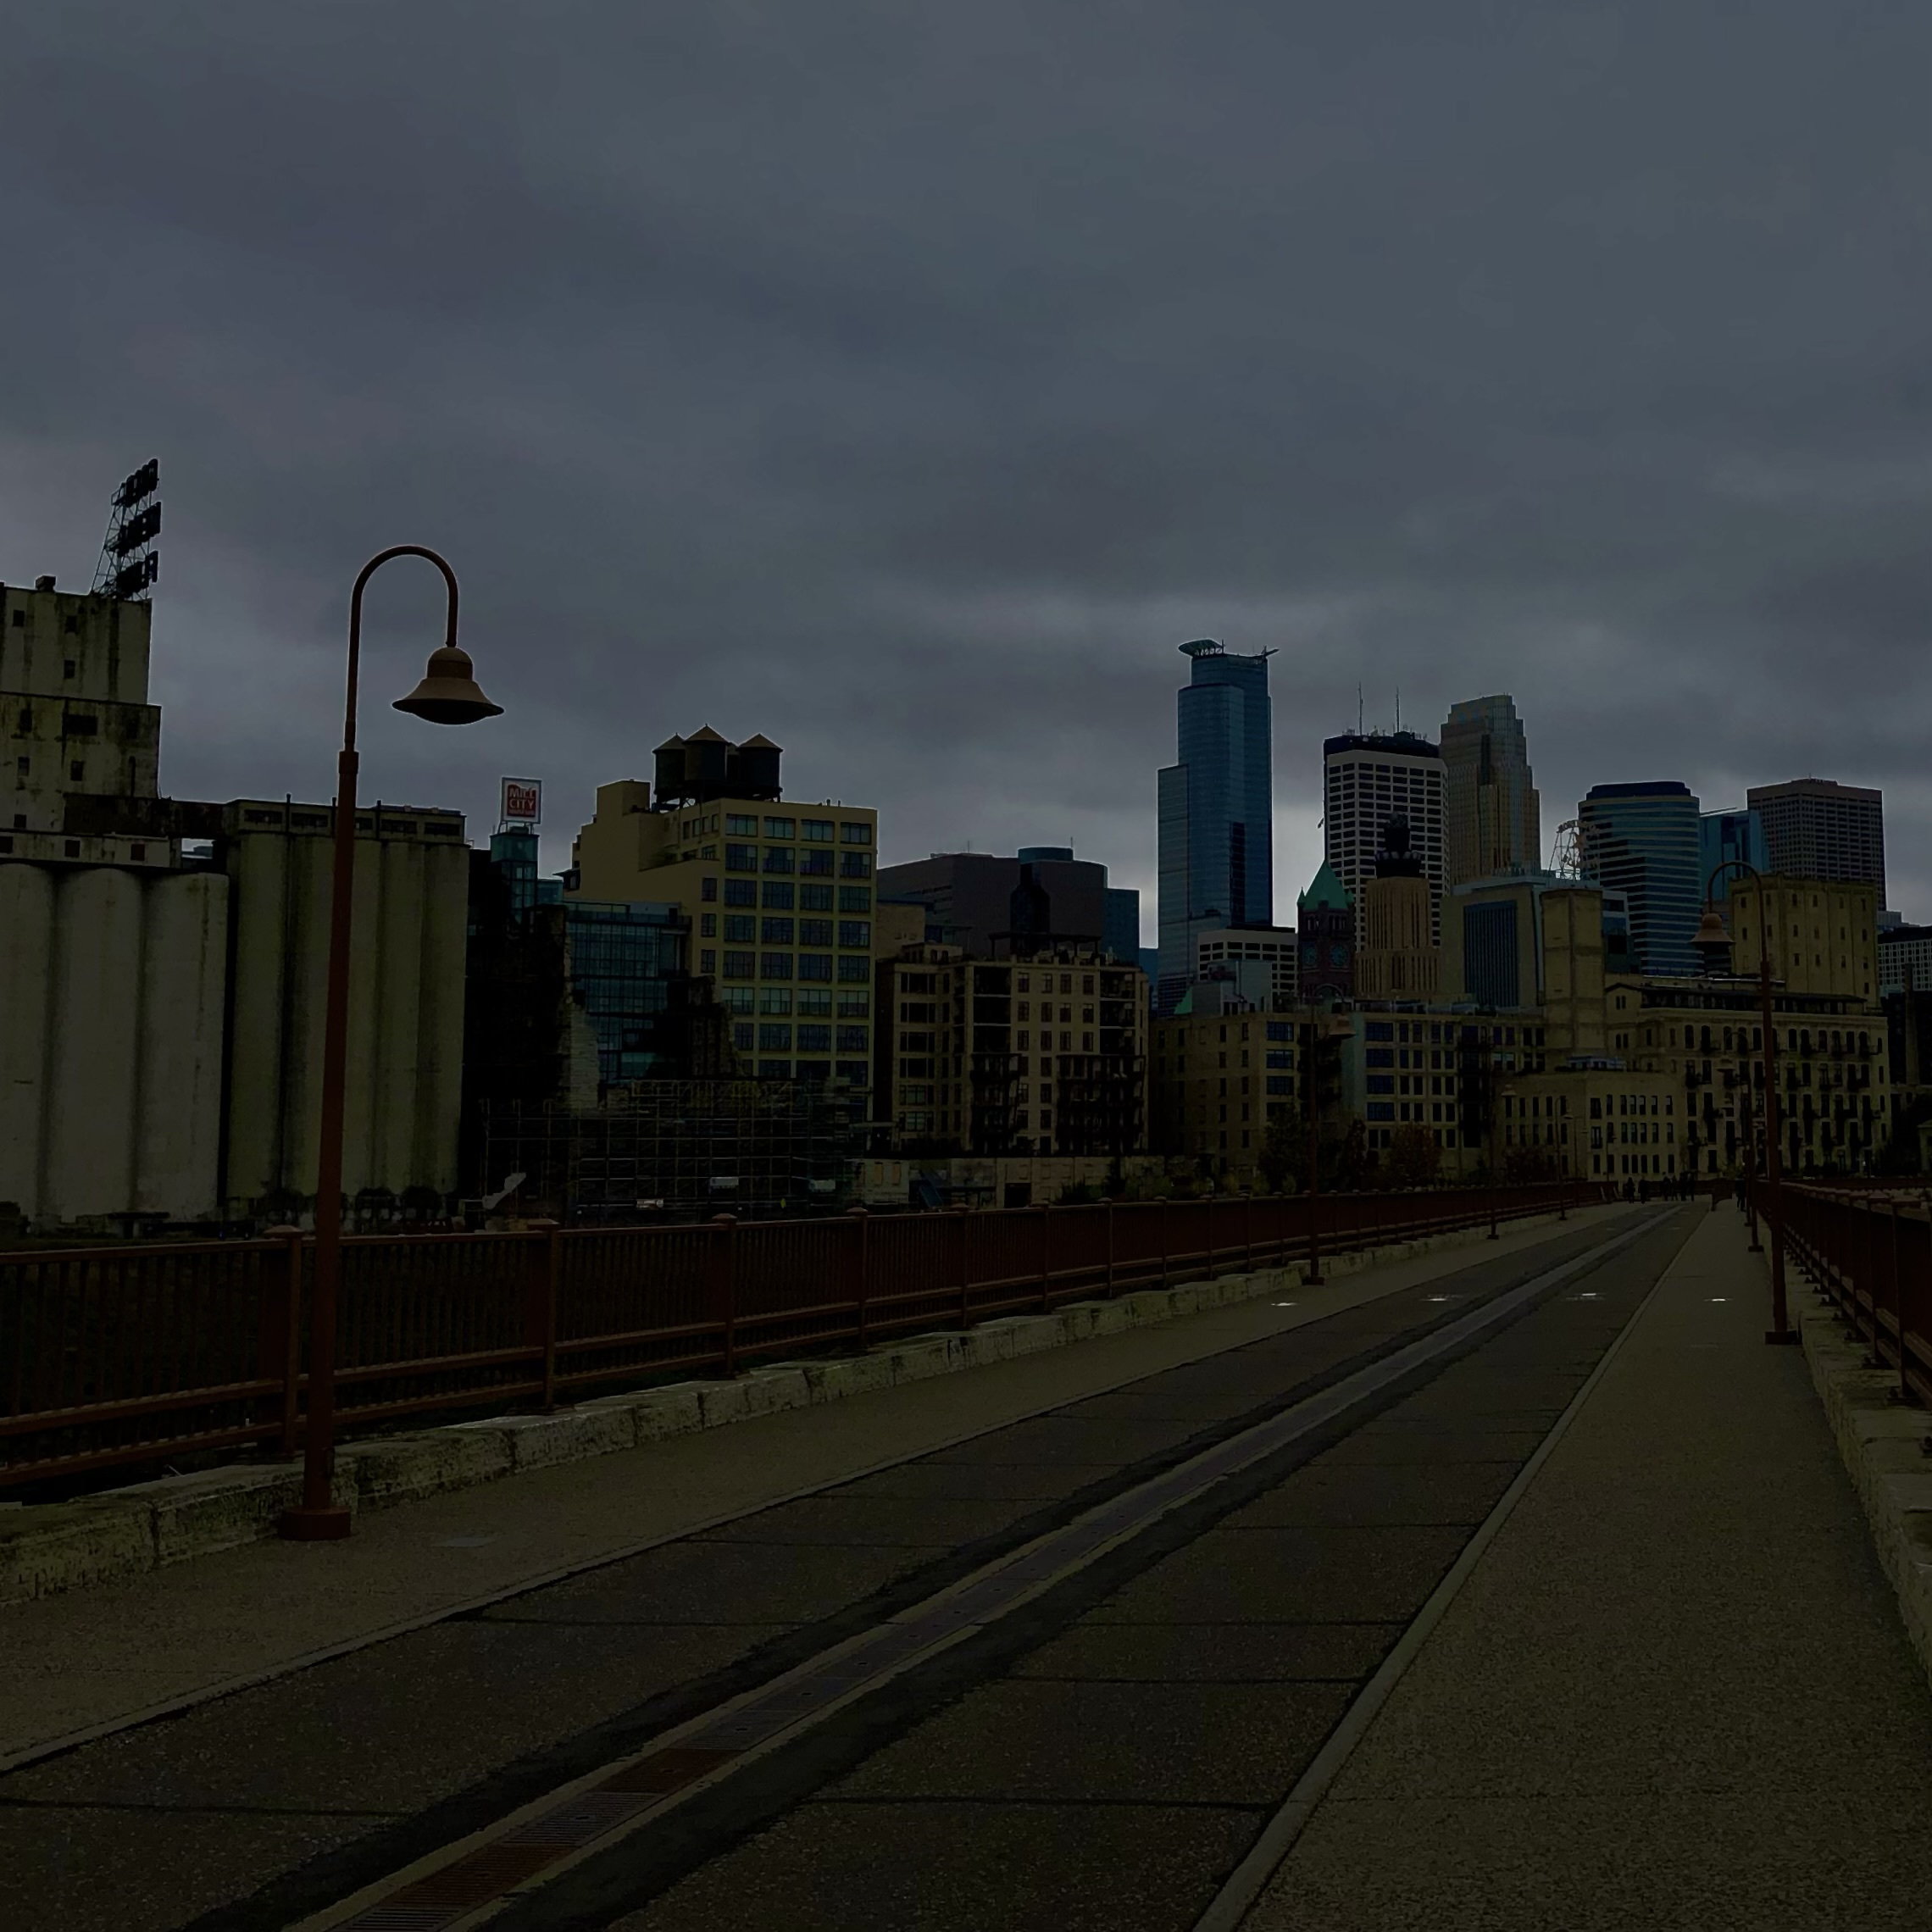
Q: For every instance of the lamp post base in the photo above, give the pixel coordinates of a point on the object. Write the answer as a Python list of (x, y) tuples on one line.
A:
[(1787, 1336), (329, 1525)]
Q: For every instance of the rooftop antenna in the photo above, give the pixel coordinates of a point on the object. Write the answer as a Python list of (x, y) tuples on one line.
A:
[(1398, 708), (1358, 711), (130, 564)]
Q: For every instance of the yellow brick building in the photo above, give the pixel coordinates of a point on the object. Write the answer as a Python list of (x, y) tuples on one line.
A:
[(779, 893)]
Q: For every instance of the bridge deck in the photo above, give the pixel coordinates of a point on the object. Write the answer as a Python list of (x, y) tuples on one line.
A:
[(1672, 1690)]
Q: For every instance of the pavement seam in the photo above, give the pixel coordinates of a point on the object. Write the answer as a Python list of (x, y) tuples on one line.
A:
[(1251, 1878), (471, 1607)]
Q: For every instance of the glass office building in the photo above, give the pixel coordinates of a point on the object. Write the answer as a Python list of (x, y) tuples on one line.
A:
[(1216, 846), (1723, 836), (1642, 842)]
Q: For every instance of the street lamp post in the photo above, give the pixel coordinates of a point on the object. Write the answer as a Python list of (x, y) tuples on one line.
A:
[(448, 695), (1712, 939), (1498, 1093)]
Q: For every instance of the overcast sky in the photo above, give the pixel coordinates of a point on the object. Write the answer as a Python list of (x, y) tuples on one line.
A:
[(906, 381)]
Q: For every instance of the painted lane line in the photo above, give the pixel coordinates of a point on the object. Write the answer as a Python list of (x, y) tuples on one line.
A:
[(468, 1882)]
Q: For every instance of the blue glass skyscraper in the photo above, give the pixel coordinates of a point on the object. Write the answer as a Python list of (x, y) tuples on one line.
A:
[(1216, 845), (1726, 836), (1642, 840)]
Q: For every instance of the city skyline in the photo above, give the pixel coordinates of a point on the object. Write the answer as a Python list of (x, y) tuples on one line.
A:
[(832, 393)]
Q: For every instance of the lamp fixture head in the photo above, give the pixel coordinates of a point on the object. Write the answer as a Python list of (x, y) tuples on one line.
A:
[(449, 693)]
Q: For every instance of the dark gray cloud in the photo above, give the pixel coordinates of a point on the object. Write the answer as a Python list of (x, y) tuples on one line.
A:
[(907, 382)]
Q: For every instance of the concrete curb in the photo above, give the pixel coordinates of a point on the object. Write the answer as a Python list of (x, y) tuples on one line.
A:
[(1887, 1449), (45, 1548)]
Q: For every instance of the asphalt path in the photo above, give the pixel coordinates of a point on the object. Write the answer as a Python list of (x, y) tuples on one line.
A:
[(1103, 1754)]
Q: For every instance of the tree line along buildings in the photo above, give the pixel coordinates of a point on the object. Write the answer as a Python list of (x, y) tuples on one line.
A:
[(728, 999)]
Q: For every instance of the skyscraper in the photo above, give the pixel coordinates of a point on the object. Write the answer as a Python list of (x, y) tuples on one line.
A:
[(1370, 778), (1216, 846), (1724, 837), (1642, 840), (1815, 828), (1492, 817)]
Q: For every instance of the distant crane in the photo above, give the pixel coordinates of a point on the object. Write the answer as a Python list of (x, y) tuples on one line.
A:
[(129, 563)]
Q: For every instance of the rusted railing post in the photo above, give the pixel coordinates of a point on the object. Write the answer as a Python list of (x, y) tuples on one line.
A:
[(863, 1220), (962, 1214), (724, 1286), (546, 1278), (1898, 1305), (281, 1335)]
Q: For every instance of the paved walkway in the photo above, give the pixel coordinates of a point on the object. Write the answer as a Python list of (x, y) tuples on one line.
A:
[(1675, 1691), (96, 1658)]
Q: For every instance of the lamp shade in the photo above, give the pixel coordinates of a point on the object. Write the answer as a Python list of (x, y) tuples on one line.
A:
[(449, 693)]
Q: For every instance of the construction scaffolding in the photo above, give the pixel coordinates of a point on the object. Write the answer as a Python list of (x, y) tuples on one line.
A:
[(675, 1151)]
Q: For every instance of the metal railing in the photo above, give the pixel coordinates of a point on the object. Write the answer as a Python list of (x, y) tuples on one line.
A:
[(1869, 1250), (134, 1354)]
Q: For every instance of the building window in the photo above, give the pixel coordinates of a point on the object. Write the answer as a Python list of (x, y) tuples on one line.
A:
[(817, 862), (852, 833), (741, 858), (707, 925), (777, 932), (814, 1040), (740, 891), (855, 1005), (854, 1073), (855, 865), (855, 967), (740, 965), (740, 928), (855, 933), (743, 825), (736, 999), (775, 999), (814, 965), (707, 959), (773, 1038), (777, 895), (744, 1037), (818, 1005), (775, 1069), (855, 898), (68, 670), (812, 898), (854, 1039), (778, 858), (74, 849), (77, 770), (775, 966), (779, 829), (814, 932), (818, 829)]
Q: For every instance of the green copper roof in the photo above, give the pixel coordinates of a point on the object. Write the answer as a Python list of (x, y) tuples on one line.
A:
[(1326, 890)]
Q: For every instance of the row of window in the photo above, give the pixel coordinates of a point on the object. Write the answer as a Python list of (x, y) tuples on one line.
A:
[(782, 1000), (782, 895), (745, 824), (775, 1036), (742, 929), (783, 859), (852, 970)]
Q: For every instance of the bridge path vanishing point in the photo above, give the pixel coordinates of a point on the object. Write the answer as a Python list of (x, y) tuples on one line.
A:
[(1055, 1643)]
